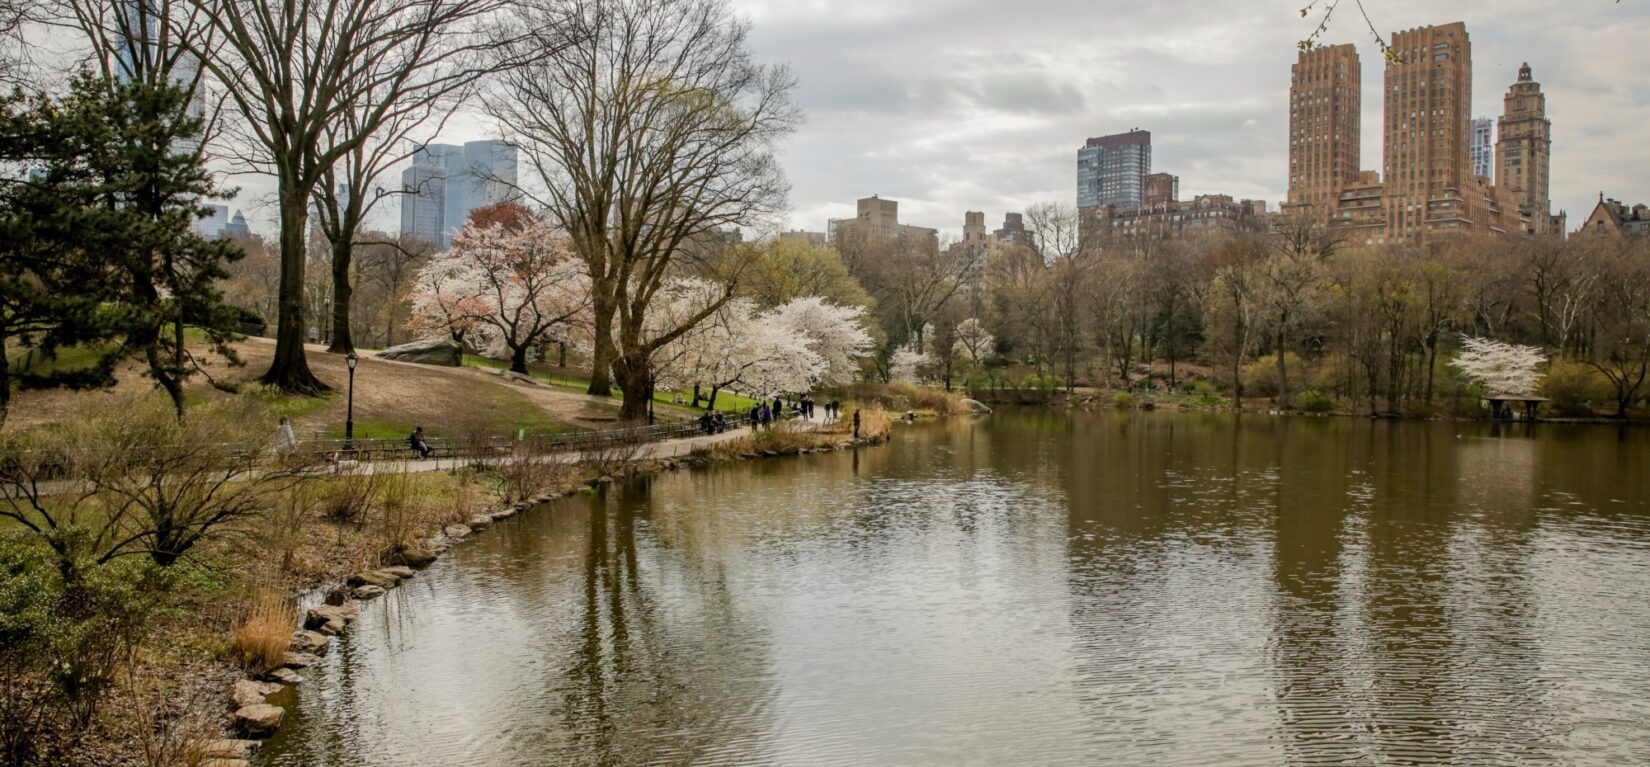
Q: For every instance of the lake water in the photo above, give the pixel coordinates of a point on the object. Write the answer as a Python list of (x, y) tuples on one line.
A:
[(1037, 588)]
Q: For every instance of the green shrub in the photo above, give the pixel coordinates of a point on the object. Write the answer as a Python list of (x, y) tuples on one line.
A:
[(1123, 400), (66, 625), (1260, 377), (1314, 401), (1575, 388)]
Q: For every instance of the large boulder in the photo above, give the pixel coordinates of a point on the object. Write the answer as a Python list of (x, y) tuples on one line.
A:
[(976, 406), (258, 721), (427, 351), (248, 692), (377, 578), (310, 642)]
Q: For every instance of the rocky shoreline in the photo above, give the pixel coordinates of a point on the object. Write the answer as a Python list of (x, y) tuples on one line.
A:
[(255, 718)]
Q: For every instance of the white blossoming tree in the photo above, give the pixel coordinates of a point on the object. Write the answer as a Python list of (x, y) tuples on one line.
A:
[(908, 363), (735, 348), (1502, 368), (974, 342), (835, 333), (506, 287)]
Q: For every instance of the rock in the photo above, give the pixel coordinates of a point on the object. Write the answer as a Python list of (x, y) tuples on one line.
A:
[(319, 618), (229, 748), (285, 676), (456, 532), (440, 350), (309, 642), (225, 763), (299, 660), (398, 571), (259, 721), (377, 578), (417, 556), (541, 498), (250, 692), (976, 406), (367, 592), (519, 378), (480, 522), (503, 514)]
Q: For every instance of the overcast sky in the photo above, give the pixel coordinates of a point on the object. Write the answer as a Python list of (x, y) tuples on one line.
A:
[(954, 105)]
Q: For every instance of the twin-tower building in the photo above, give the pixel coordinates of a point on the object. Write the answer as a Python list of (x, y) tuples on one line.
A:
[(1429, 185)]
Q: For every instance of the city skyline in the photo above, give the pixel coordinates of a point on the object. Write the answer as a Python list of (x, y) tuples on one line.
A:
[(990, 116)]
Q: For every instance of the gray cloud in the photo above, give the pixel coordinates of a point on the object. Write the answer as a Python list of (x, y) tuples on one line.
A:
[(951, 105)]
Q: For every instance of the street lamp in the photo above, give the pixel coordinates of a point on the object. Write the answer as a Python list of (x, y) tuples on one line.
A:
[(349, 414)]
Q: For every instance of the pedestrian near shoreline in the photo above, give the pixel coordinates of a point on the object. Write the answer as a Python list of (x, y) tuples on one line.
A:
[(286, 440), (856, 423)]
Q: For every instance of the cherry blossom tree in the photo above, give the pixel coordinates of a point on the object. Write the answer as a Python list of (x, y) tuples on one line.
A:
[(1502, 368), (734, 348), (506, 288), (907, 363), (974, 341), (835, 333)]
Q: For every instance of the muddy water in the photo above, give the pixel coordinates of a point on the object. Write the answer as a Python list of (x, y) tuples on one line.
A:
[(1037, 588)]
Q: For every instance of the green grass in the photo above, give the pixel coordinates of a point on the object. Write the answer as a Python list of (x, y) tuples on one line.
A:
[(662, 399)]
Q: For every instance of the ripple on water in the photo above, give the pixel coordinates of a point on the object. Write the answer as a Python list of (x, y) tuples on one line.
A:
[(1111, 591)]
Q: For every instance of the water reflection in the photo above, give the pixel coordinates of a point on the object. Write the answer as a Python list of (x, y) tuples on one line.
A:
[(1038, 588)]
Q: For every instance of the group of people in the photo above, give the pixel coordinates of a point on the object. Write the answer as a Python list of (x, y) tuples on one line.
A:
[(713, 422)]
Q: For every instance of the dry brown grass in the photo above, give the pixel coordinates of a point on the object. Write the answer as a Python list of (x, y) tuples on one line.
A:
[(900, 397), (262, 638)]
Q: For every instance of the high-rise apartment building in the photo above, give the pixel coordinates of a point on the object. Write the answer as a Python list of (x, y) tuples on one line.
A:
[(1427, 128), (446, 182), (1325, 98), (974, 226), (1483, 147), (1523, 149), (1111, 170)]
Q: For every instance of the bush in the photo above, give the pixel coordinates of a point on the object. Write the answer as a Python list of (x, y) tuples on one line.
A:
[(263, 637), (1260, 377), (899, 397), (1314, 401), (1575, 387), (1122, 400), (66, 625)]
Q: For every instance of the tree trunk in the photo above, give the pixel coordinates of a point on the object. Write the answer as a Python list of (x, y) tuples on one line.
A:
[(630, 374), (1283, 370), (343, 342), (603, 355), (289, 371), (714, 390), (561, 354), (5, 383), (518, 359)]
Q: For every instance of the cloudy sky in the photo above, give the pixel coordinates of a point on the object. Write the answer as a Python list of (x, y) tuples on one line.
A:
[(953, 105)]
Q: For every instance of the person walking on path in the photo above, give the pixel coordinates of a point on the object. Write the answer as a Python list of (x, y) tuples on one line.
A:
[(778, 408), (756, 416), (417, 442), (286, 440), (856, 423)]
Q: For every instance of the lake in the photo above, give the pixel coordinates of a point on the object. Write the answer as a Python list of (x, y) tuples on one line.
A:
[(1036, 587)]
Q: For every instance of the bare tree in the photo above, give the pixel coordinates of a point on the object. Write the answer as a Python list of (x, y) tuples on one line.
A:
[(1300, 246), (350, 187), (651, 131), (314, 80)]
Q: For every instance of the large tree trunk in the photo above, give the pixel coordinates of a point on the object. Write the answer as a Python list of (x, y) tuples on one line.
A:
[(630, 373), (518, 359), (5, 383), (342, 340), (602, 353), (289, 371)]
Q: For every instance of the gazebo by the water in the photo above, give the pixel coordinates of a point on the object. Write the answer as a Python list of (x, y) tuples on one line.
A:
[(1502, 406)]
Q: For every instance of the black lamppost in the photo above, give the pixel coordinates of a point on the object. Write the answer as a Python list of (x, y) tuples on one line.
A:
[(349, 414)]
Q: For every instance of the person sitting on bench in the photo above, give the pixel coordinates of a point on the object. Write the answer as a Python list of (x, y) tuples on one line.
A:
[(417, 442)]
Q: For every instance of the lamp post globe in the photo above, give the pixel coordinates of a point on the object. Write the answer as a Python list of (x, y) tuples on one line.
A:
[(350, 361)]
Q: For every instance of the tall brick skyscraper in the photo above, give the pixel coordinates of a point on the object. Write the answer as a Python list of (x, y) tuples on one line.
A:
[(1324, 103), (1523, 148), (1428, 124)]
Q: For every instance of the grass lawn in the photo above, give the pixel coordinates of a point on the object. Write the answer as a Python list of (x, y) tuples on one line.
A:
[(663, 400)]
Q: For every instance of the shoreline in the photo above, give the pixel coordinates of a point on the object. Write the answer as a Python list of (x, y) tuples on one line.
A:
[(335, 603)]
